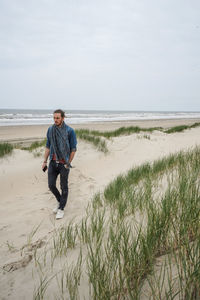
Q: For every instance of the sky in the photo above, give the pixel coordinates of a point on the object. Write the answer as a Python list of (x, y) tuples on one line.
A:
[(100, 54)]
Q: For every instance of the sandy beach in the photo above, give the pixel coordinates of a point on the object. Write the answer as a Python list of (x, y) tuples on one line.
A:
[(27, 134), (26, 218)]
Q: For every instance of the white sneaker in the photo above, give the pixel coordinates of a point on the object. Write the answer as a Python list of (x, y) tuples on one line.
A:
[(60, 214), (55, 210)]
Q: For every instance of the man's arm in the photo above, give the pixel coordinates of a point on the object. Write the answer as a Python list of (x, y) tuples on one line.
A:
[(46, 155), (71, 156), (72, 143), (47, 150)]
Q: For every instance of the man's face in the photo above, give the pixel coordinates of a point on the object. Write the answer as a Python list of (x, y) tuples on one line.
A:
[(58, 119)]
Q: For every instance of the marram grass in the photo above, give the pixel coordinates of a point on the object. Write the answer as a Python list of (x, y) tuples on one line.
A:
[(95, 137), (99, 143), (35, 145), (118, 132), (181, 128), (120, 254), (133, 129), (5, 148)]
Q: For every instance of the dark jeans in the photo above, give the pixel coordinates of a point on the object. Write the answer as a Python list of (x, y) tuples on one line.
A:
[(53, 171)]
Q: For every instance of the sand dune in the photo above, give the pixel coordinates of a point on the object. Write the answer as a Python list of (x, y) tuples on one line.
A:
[(26, 218)]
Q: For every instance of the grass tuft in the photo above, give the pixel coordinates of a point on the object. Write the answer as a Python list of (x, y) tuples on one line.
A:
[(35, 145), (5, 148), (181, 128), (91, 138)]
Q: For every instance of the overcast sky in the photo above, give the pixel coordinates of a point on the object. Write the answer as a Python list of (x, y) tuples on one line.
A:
[(100, 54)]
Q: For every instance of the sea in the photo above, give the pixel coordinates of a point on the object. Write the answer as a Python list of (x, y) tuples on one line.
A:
[(9, 117)]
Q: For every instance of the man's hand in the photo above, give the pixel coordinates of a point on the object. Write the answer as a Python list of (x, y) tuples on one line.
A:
[(44, 165), (46, 155)]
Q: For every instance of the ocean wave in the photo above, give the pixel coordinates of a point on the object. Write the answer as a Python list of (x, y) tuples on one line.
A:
[(32, 117)]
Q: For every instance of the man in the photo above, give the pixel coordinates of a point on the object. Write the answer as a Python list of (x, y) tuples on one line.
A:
[(60, 148)]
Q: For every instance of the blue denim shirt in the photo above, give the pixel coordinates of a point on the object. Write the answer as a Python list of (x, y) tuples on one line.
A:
[(72, 141)]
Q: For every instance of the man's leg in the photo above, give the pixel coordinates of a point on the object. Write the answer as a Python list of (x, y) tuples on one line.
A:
[(64, 173), (52, 176)]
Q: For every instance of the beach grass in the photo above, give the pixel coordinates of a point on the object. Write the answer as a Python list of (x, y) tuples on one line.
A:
[(118, 132), (140, 236), (97, 138), (99, 143), (133, 129), (181, 128), (34, 145), (168, 229), (5, 149)]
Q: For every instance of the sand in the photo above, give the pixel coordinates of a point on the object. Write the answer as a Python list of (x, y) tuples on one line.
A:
[(26, 218), (27, 134)]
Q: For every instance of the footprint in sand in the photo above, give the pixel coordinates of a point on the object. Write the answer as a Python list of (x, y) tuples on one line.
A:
[(46, 193), (91, 186), (90, 179), (81, 176), (4, 227)]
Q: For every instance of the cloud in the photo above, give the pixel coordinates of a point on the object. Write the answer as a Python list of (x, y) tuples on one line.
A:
[(133, 53)]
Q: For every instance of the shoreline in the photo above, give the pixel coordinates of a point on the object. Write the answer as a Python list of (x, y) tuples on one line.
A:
[(30, 133)]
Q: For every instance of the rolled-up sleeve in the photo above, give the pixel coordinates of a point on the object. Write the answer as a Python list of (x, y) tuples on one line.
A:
[(72, 140)]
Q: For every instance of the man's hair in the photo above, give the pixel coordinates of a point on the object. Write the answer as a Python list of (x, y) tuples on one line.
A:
[(60, 111)]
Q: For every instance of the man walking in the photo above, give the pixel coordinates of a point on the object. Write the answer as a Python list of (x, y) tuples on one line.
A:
[(60, 148)]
